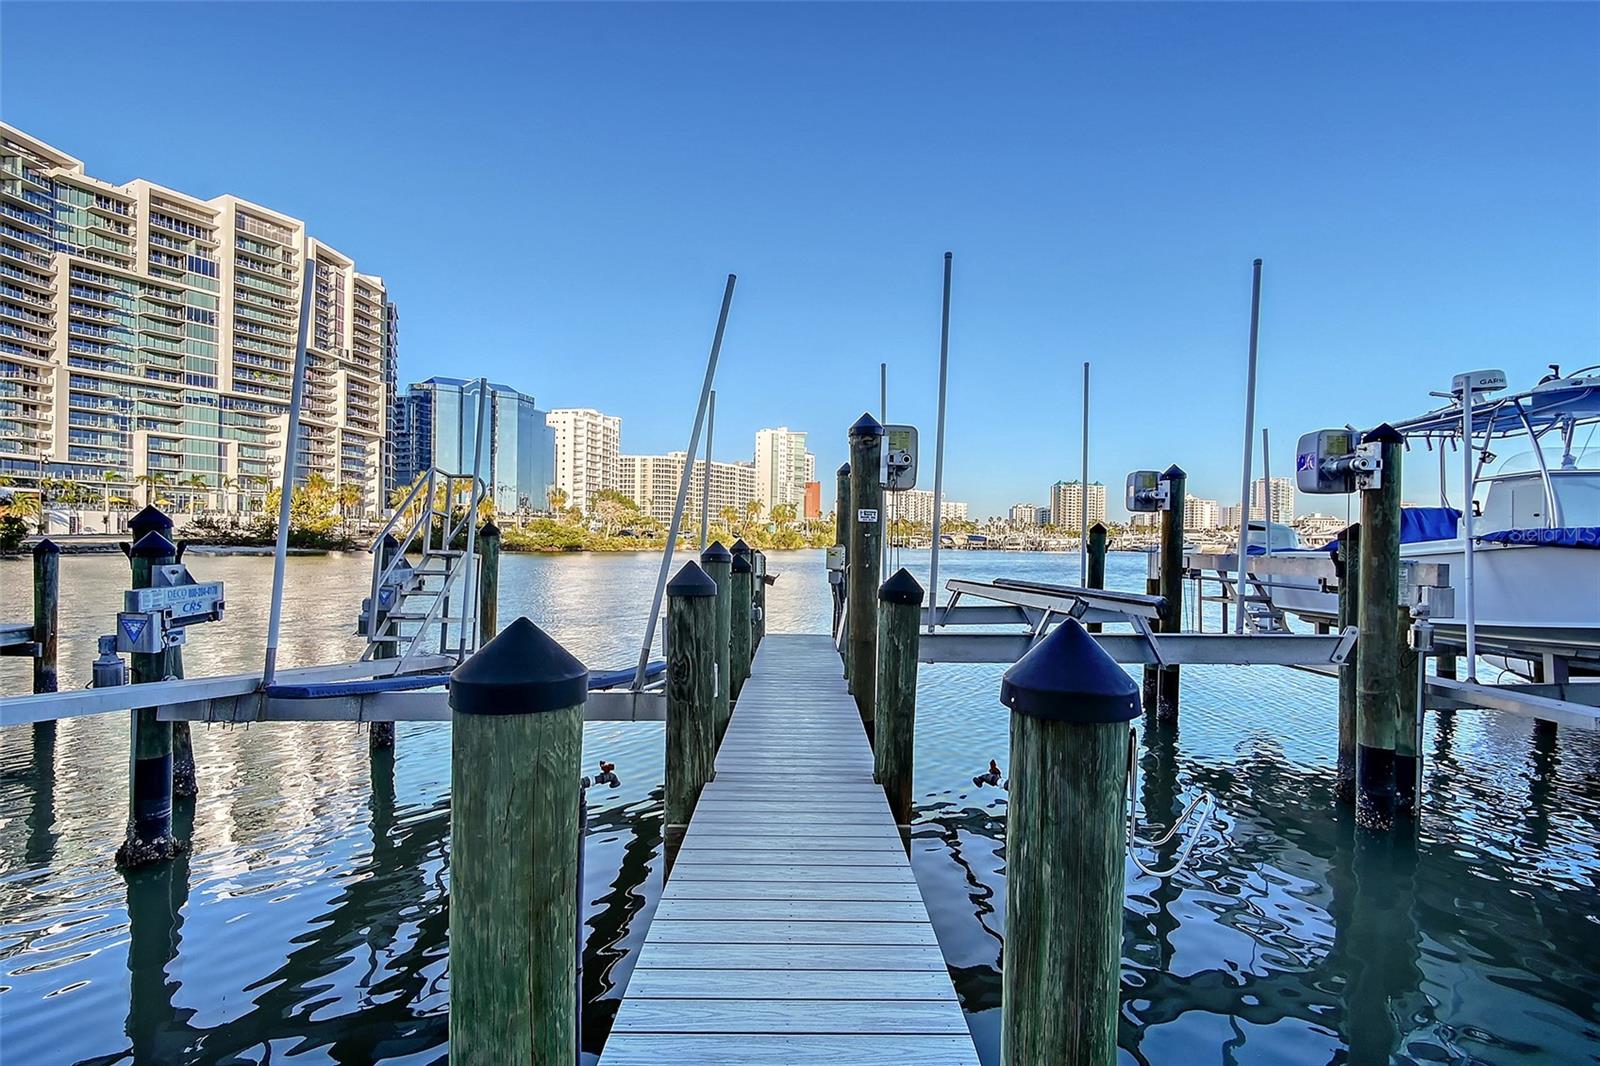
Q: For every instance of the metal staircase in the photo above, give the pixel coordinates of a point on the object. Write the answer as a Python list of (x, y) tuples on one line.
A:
[(409, 603), (1261, 615)]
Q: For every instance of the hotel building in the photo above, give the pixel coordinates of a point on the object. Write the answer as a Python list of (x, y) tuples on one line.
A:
[(147, 340)]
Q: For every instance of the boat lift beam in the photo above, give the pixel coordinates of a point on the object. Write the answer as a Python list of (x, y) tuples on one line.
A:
[(1157, 649), (617, 705)]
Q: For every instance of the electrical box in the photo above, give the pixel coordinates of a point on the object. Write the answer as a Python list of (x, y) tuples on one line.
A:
[(1146, 491), (836, 557), (899, 471), (1331, 462), (154, 619)]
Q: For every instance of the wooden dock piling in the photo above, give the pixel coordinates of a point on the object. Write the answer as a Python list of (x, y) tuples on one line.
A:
[(717, 562), (46, 620), (380, 735), (1096, 577), (841, 539), (1348, 567), (740, 586), (865, 562), (895, 708), (516, 751), (758, 591), (1171, 586), (1066, 839), (149, 837), (1378, 650), (488, 548), (1405, 718), (691, 697)]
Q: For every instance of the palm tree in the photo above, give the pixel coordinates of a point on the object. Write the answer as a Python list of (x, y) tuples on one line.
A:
[(728, 516), (201, 486), (230, 495), (783, 514), (350, 495), (152, 482), (752, 513), (558, 499)]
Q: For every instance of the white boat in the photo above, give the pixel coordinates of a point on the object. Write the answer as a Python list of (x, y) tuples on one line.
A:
[(1535, 547)]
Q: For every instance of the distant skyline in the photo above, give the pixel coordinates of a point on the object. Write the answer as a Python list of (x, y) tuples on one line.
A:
[(554, 194)]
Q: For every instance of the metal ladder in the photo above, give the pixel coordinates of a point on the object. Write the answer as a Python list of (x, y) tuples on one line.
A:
[(1261, 615), (415, 600)]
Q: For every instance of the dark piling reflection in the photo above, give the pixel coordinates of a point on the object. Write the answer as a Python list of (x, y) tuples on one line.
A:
[(613, 930), (41, 784), (158, 1030)]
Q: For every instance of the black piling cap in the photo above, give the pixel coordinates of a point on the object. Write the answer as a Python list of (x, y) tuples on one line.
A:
[(844, 470), (1098, 527), (691, 581), (1383, 434), (152, 517), (47, 547), (741, 564), (153, 545), (521, 671), (901, 588), (867, 426), (715, 553), (1172, 473), (489, 529), (740, 547), (1068, 677)]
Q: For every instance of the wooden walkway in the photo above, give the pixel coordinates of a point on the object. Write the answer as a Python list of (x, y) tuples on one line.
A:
[(791, 929)]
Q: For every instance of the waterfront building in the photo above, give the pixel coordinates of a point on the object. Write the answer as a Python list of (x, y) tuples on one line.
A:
[(916, 505), (1024, 514), (1067, 503), (813, 505), (783, 467), (391, 390), (1043, 516), (1201, 514), (651, 482), (438, 427), (147, 341), (1282, 493), (588, 453), (1230, 517)]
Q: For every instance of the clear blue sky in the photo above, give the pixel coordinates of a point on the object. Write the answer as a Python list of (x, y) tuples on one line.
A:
[(555, 193)]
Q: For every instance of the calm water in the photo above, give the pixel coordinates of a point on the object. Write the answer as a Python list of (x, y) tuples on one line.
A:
[(309, 923)]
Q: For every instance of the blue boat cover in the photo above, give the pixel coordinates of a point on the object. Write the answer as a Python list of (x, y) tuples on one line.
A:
[(1417, 525), (406, 682), (1570, 537)]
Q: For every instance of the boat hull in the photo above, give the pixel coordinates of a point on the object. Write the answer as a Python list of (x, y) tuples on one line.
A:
[(1531, 599)]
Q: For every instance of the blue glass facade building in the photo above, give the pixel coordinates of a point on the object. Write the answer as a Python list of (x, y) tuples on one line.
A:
[(437, 426)]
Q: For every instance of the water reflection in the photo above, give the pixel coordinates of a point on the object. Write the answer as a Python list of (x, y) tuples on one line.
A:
[(311, 917)]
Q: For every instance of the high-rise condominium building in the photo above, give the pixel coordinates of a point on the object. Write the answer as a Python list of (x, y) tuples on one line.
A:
[(439, 428), (812, 508), (147, 340), (651, 481), (1282, 499), (1067, 503), (588, 452), (393, 412), (1024, 514), (916, 505), (1201, 514), (783, 466)]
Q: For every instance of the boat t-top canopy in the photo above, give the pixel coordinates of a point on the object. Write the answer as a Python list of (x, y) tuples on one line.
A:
[(1558, 402)]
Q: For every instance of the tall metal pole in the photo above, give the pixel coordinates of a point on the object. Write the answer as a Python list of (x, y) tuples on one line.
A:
[(291, 444), (1083, 525), (469, 605), (1268, 508), (683, 485), (938, 451), (1468, 589), (1249, 439), (705, 479)]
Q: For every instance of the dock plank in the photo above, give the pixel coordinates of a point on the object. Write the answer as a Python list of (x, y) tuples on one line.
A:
[(791, 928)]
